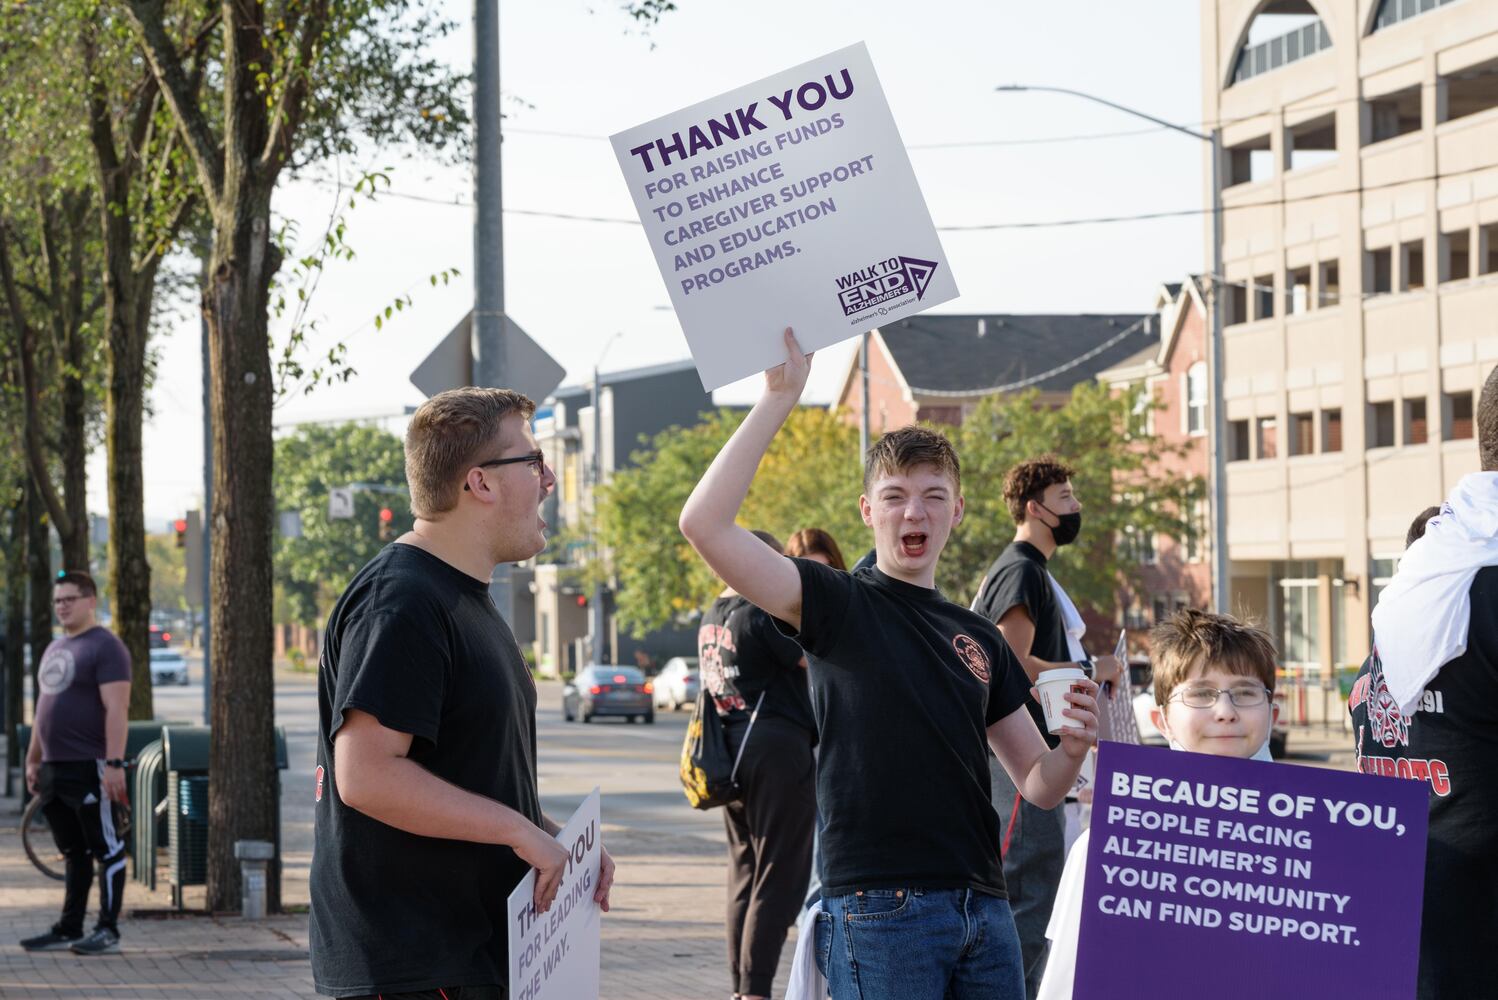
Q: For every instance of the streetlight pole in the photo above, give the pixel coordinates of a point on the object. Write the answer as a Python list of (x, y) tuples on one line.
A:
[(1217, 444), (598, 621)]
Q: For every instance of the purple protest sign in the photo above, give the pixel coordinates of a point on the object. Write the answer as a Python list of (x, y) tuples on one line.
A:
[(1226, 878)]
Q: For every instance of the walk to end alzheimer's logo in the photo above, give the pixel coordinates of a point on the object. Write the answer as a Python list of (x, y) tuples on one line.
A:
[(883, 281)]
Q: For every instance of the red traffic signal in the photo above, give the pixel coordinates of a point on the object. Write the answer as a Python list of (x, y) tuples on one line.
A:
[(179, 526), (582, 601), (387, 515)]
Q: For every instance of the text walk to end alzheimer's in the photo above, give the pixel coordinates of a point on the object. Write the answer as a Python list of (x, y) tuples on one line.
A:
[(555, 955), (1295, 869), (787, 202)]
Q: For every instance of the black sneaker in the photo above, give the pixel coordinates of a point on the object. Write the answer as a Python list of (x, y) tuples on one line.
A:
[(101, 942), (51, 941)]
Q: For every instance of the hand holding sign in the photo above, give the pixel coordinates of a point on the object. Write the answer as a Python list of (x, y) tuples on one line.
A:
[(540, 850), (789, 378)]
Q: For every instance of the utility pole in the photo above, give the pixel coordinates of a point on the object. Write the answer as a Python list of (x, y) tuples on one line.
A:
[(863, 374), (598, 620), (488, 237)]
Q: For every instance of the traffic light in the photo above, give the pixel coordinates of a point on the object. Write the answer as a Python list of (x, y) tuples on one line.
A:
[(387, 524), (582, 600), (180, 527)]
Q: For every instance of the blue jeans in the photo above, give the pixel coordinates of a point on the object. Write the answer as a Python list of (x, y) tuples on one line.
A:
[(919, 944)]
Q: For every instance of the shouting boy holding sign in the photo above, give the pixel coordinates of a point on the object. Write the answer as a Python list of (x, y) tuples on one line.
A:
[(909, 690)]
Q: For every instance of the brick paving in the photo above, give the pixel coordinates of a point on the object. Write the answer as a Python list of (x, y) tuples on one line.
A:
[(664, 938)]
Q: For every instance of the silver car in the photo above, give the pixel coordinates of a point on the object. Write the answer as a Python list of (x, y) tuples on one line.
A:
[(676, 684), (168, 666), (608, 690)]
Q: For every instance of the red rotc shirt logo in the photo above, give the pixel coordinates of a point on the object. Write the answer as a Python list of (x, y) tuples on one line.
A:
[(973, 656)]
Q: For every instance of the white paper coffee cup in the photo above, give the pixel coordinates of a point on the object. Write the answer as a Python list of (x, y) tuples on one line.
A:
[(1051, 687)]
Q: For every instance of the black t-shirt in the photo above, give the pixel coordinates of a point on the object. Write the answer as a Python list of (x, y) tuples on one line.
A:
[(1451, 743), (741, 655), (905, 685), (419, 645), (1019, 578)]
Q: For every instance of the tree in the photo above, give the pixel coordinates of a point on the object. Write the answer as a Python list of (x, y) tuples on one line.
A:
[(301, 80), (811, 477), (1119, 478), (168, 573), (314, 569)]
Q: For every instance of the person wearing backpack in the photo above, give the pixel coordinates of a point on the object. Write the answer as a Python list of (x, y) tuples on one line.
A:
[(755, 677)]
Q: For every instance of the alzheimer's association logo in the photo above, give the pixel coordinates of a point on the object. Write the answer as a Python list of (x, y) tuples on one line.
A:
[(974, 657), (884, 281), (318, 793), (57, 671)]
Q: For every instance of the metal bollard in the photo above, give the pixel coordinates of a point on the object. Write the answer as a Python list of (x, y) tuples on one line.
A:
[(254, 856)]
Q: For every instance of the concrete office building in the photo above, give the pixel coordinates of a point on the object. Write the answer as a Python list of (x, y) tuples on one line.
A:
[(1360, 247)]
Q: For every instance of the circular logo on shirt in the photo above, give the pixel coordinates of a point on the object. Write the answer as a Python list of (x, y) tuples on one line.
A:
[(319, 782), (57, 672), (974, 656)]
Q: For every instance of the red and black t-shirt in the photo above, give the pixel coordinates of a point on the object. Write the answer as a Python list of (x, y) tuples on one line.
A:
[(1451, 744), (741, 656), (904, 685)]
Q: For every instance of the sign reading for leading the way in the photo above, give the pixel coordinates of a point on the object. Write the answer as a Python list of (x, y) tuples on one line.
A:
[(554, 955), (1238, 880), (788, 202)]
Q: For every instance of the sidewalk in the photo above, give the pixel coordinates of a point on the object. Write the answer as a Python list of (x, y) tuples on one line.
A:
[(664, 938)]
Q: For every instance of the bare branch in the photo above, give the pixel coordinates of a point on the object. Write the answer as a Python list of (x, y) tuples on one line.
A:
[(147, 17), (286, 118)]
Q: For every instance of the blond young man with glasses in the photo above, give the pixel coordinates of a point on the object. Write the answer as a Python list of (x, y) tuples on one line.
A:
[(1214, 694)]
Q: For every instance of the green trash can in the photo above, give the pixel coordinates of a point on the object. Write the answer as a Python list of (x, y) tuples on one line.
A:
[(185, 751)]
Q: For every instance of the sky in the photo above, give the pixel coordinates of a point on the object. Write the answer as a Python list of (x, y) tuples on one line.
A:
[(577, 72)]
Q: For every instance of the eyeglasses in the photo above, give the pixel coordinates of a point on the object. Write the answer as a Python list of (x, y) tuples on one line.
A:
[(536, 459), (1241, 695), (63, 602)]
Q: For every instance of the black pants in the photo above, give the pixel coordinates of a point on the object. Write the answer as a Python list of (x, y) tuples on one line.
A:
[(83, 826), (769, 847)]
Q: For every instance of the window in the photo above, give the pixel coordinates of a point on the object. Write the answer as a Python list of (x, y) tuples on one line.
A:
[(1331, 284), (1196, 399), (1415, 431), (1196, 532), (1471, 91), (1487, 248), (1456, 255), (1268, 430), (1161, 608), (1300, 612), (1380, 577), (1391, 12), (1381, 425), (1412, 264), (1393, 115), (1250, 161), (1283, 32), (1237, 304), (1331, 430), (1238, 450), (1297, 290), (1379, 266), (1263, 296), (1458, 416), (1135, 618), (1302, 433), (1311, 143)]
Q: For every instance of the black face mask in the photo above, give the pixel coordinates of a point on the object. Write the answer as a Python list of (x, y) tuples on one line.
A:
[(1071, 525)]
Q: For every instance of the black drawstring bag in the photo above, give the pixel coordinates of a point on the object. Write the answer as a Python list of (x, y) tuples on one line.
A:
[(709, 774)]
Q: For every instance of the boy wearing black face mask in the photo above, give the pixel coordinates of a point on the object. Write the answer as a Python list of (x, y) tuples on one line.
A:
[(1020, 597)]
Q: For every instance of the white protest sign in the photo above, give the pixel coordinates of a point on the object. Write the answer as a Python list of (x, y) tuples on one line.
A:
[(788, 202), (554, 955)]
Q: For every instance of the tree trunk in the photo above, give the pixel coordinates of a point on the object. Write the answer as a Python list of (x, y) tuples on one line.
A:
[(15, 629), (39, 576), (244, 800), (75, 553)]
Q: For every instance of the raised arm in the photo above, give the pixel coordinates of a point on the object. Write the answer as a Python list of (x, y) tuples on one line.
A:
[(708, 520)]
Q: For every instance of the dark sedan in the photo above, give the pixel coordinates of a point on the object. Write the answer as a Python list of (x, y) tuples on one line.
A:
[(608, 690)]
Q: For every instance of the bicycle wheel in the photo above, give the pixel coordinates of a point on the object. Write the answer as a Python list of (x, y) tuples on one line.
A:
[(36, 839)]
